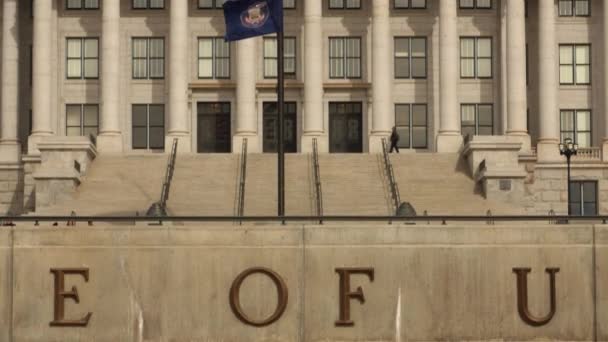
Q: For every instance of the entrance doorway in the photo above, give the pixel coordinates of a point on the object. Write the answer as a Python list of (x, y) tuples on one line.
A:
[(271, 119), (214, 134), (345, 127)]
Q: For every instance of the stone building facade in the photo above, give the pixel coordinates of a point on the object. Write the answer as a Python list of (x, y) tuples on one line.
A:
[(517, 75)]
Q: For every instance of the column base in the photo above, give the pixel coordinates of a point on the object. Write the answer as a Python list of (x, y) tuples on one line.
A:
[(109, 143), (307, 146), (605, 151), (11, 189), (524, 139), (10, 152), (184, 144), (253, 145), (33, 140), (547, 151), (449, 142), (375, 142)]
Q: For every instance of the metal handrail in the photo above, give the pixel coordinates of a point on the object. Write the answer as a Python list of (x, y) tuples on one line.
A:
[(388, 168), (241, 202), (335, 218), (317, 175)]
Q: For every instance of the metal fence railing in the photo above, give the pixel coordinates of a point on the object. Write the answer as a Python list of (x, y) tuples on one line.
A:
[(388, 168), (317, 180), (242, 179)]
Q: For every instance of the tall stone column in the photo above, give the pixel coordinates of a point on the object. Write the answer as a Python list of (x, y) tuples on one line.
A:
[(605, 141), (178, 77), (549, 125), (313, 124), (10, 147), (382, 94), (246, 109), (110, 135), (449, 138), (516, 73), (41, 74)]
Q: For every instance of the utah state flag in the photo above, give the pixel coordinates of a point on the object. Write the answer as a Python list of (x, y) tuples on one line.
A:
[(250, 18)]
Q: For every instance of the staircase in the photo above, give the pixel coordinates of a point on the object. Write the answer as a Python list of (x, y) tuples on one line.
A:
[(440, 184), (353, 184)]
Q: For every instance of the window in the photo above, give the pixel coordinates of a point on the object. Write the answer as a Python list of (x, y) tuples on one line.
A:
[(471, 4), (576, 125), (476, 57), (148, 58), (411, 122), (575, 64), (477, 119), (82, 58), (148, 126), (344, 4), (290, 4), (81, 119), (415, 4), (271, 58), (583, 198), (410, 57), (82, 4), (211, 3), (577, 8), (213, 58), (345, 57), (214, 129), (271, 125), (148, 4)]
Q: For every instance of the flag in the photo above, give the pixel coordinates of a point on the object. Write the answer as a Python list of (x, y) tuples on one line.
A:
[(251, 18)]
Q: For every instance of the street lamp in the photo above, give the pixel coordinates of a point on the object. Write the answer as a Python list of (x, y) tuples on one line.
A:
[(568, 149)]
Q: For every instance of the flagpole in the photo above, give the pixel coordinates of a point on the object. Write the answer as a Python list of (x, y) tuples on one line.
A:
[(281, 134)]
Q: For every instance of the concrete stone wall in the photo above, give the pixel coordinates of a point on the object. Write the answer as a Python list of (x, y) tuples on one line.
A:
[(172, 283)]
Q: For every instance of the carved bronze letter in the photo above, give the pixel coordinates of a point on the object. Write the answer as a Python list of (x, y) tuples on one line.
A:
[(235, 302), (346, 295), (61, 295), (522, 297)]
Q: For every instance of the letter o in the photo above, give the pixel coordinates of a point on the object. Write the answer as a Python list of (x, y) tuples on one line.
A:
[(282, 295)]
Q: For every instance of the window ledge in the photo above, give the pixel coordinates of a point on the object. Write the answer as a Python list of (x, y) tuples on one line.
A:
[(347, 85), (585, 87), (272, 85), (213, 84)]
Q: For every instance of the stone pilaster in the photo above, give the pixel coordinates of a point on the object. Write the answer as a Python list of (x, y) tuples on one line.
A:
[(110, 135), (178, 77), (382, 95), (246, 109), (449, 138), (516, 73), (313, 125), (549, 125), (41, 74)]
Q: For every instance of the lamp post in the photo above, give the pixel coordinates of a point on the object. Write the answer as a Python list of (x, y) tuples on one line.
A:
[(568, 149)]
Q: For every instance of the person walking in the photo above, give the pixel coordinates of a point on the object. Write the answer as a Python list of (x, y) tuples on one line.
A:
[(394, 140)]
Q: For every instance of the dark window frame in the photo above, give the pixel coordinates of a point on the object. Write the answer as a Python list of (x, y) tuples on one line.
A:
[(575, 64), (411, 57), (147, 58), (82, 125), (82, 58), (345, 58), (148, 126), (82, 7), (409, 5), (288, 75), (148, 6), (573, 8), (214, 59), (576, 131), (344, 6), (475, 5), (581, 200), (476, 58), (476, 126), (287, 112), (410, 127)]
